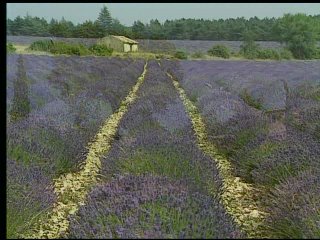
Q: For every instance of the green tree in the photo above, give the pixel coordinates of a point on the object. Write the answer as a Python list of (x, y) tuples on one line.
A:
[(88, 29), (61, 28), (138, 30), (249, 48), (299, 32), (105, 19), (9, 26), (117, 28), (156, 30)]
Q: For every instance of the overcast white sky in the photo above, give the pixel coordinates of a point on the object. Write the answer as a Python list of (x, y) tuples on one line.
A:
[(127, 13)]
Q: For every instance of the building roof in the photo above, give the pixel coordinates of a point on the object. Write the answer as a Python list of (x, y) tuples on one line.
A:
[(125, 39)]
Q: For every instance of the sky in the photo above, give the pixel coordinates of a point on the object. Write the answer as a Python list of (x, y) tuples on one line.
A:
[(127, 13)]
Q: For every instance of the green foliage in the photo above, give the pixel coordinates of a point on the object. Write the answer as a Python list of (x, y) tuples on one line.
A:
[(34, 26), (18, 220), (10, 48), (180, 55), (198, 55), (20, 154), (286, 229), (300, 33), (101, 50), (310, 92), (138, 30), (60, 47), (285, 54), (268, 54), (266, 29), (21, 102), (28, 26), (164, 162), (42, 45), (70, 49), (248, 99), (249, 160), (281, 172), (105, 20), (249, 49), (242, 138), (88, 29), (156, 29), (316, 54), (178, 220), (61, 28), (219, 51)]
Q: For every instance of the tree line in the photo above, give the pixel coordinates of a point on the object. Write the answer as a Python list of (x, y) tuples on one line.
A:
[(35, 26), (231, 29), (299, 32)]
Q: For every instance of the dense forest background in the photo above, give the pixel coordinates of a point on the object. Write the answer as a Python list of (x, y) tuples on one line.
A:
[(231, 29)]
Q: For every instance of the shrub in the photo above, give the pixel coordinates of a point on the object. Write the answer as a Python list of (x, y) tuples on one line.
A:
[(180, 55), (285, 54), (70, 49), (235, 53), (249, 49), (251, 101), (299, 32), (59, 47), (10, 48), (101, 50), (302, 51), (41, 45), (252, 50), (219, 51), (316, 54), (159, 56), (268, 54), (198, 55)]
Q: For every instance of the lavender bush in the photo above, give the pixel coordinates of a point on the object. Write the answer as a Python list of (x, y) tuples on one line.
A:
[(29, 193), (149, 206)]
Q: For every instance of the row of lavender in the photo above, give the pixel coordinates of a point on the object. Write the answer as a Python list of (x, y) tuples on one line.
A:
[(27, 40), (197, 46), (156, 180), (50, 120), (275, 147), (156, 46)]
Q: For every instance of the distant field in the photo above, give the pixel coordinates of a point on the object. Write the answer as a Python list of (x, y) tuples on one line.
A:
[(27, 40), (192, 46), (158, 46)]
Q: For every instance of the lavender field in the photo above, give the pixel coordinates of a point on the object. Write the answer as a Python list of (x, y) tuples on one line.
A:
[(265, 117), (197, 46), (155, 180), (54, 107), (155, 46)]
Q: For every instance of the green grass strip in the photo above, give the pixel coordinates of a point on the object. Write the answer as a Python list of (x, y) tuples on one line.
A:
[(72, 188), (239, 198)]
